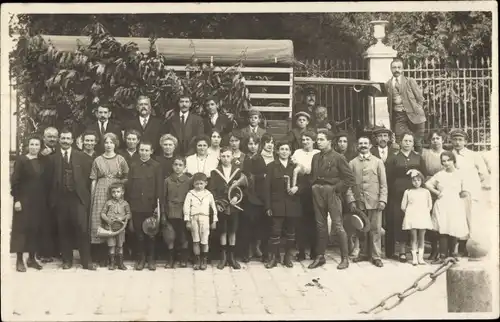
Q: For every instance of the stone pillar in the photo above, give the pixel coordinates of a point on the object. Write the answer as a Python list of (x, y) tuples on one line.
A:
[(379, 58)]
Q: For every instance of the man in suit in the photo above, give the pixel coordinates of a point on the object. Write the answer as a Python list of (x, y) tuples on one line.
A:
[(383, 149), (216, 121), (254, 118), (69, 196), (48, 245), (104, 125), (150, 127), (404, 100), (185, 125)]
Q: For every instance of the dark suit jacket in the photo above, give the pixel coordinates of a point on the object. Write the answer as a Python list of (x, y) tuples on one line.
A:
[(128, 158), (412, 98), (223, 125), (193, 127), (276, 196), (153, 131), (81, 165), (112, 127), (219, 186)]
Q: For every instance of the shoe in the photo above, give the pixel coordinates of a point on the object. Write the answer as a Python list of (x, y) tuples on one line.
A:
[(203, 265), (67, 265), (357, 259), (439, 261), (103, 263), (139, 265), (420, 257), (318, 261), (414, 260), (378, 262), (344, 263), (184, 256), (272, 261), (300, 256), (45, 260), (287, 260), (231, 260), (151, 263), (433, 256), (121, 266), (20, 266), (90, 267), (112, 265), (223, 258), (32, 263), (170, 260), (197, 262)]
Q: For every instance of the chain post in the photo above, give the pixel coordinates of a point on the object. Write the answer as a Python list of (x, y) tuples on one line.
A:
[(414, 288)]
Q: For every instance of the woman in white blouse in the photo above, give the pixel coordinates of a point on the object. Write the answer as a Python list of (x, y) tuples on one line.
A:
[(306, 228), (201, 161), (215, 141)]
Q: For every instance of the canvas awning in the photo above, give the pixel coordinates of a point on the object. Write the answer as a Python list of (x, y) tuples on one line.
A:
[(221, 51)]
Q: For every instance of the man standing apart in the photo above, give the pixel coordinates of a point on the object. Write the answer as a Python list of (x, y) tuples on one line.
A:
[(331, 176), (370, 195), (404, 100)]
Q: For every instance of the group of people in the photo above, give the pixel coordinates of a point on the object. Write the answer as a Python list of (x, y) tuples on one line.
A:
[(220, 192)]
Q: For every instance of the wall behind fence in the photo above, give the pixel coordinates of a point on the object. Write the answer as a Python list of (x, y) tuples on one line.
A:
[(457, 94)]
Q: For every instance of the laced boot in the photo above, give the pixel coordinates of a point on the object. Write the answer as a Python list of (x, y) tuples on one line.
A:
[(414, 260), (121, 266), (197, 262), (170, 259), (287, 260), (231, 260), (421, 257), (184, 257), (111, 265), (203, 265), (141, 261), (32, 263), (272, 260), (20, 267), (344, 251), (223, 258)]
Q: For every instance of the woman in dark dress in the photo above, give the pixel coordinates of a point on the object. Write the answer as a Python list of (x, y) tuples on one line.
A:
[(29, 192), (398, 180)]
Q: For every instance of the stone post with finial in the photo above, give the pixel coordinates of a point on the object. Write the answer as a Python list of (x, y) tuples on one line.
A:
[(379, 58)]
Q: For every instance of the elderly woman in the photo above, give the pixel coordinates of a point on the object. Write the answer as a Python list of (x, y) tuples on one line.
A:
[(306, 228), (398, 181), (200, 161), (28, 190), (106, 169), (168, 144), (432, 163)]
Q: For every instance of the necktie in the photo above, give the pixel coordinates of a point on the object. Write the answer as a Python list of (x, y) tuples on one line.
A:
[(182, 119), (396, 84), (66, 159), (382, 154), (144, 123), (102, 128)]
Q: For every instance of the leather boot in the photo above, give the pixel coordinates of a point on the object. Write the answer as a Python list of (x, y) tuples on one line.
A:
[(203, 265), (318, 261), (121, 266), (287, 261), (184, 258), (301, 255), (151, 257), (141, 260), (20, 267), (344, 251), (223, 258), (170, 259), (231, 260), (112, 265), (197, 262), (273, 261), (32, 263)]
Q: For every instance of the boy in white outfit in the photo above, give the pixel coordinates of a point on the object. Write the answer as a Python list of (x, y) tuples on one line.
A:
[(197, 217)]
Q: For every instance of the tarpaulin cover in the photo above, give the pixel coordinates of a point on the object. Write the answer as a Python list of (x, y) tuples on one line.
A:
[(222, 51)]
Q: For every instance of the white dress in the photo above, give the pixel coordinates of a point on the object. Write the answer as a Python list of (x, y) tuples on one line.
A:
[(304, 158), (417, 205), (195, 164), (449, 212)]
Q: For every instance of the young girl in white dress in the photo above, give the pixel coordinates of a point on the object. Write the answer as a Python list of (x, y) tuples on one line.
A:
[(417, 205), (449, 212)]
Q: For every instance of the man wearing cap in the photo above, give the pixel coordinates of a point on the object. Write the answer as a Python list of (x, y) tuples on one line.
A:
[(472, 164), (149, 126), (295, 135), (254, 118), (404, 100), (331, 176), (383, 149), (309, 105), (214, 121), (185, 125), (370, 195)]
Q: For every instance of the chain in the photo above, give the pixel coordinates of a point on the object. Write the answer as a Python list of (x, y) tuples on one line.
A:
[(399, 297)]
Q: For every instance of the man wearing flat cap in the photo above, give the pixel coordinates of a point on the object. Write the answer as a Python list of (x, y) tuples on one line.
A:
[(301, 125), (384, 148), (404, 100), (254, 119), (308, 105), (477, 178)]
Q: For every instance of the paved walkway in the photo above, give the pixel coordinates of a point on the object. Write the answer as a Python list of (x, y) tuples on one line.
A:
[(253, 292)]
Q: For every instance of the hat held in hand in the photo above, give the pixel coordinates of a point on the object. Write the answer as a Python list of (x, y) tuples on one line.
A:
[(357, 220)]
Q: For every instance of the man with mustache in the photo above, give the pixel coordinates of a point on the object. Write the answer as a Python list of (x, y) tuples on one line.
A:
[(69, 196), (149, 127), (383, 149), (404, 100), (309, 106), (370, 195), (104, 125)]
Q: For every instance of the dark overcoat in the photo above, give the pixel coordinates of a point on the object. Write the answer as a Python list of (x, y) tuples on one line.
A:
[(276, 196)]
